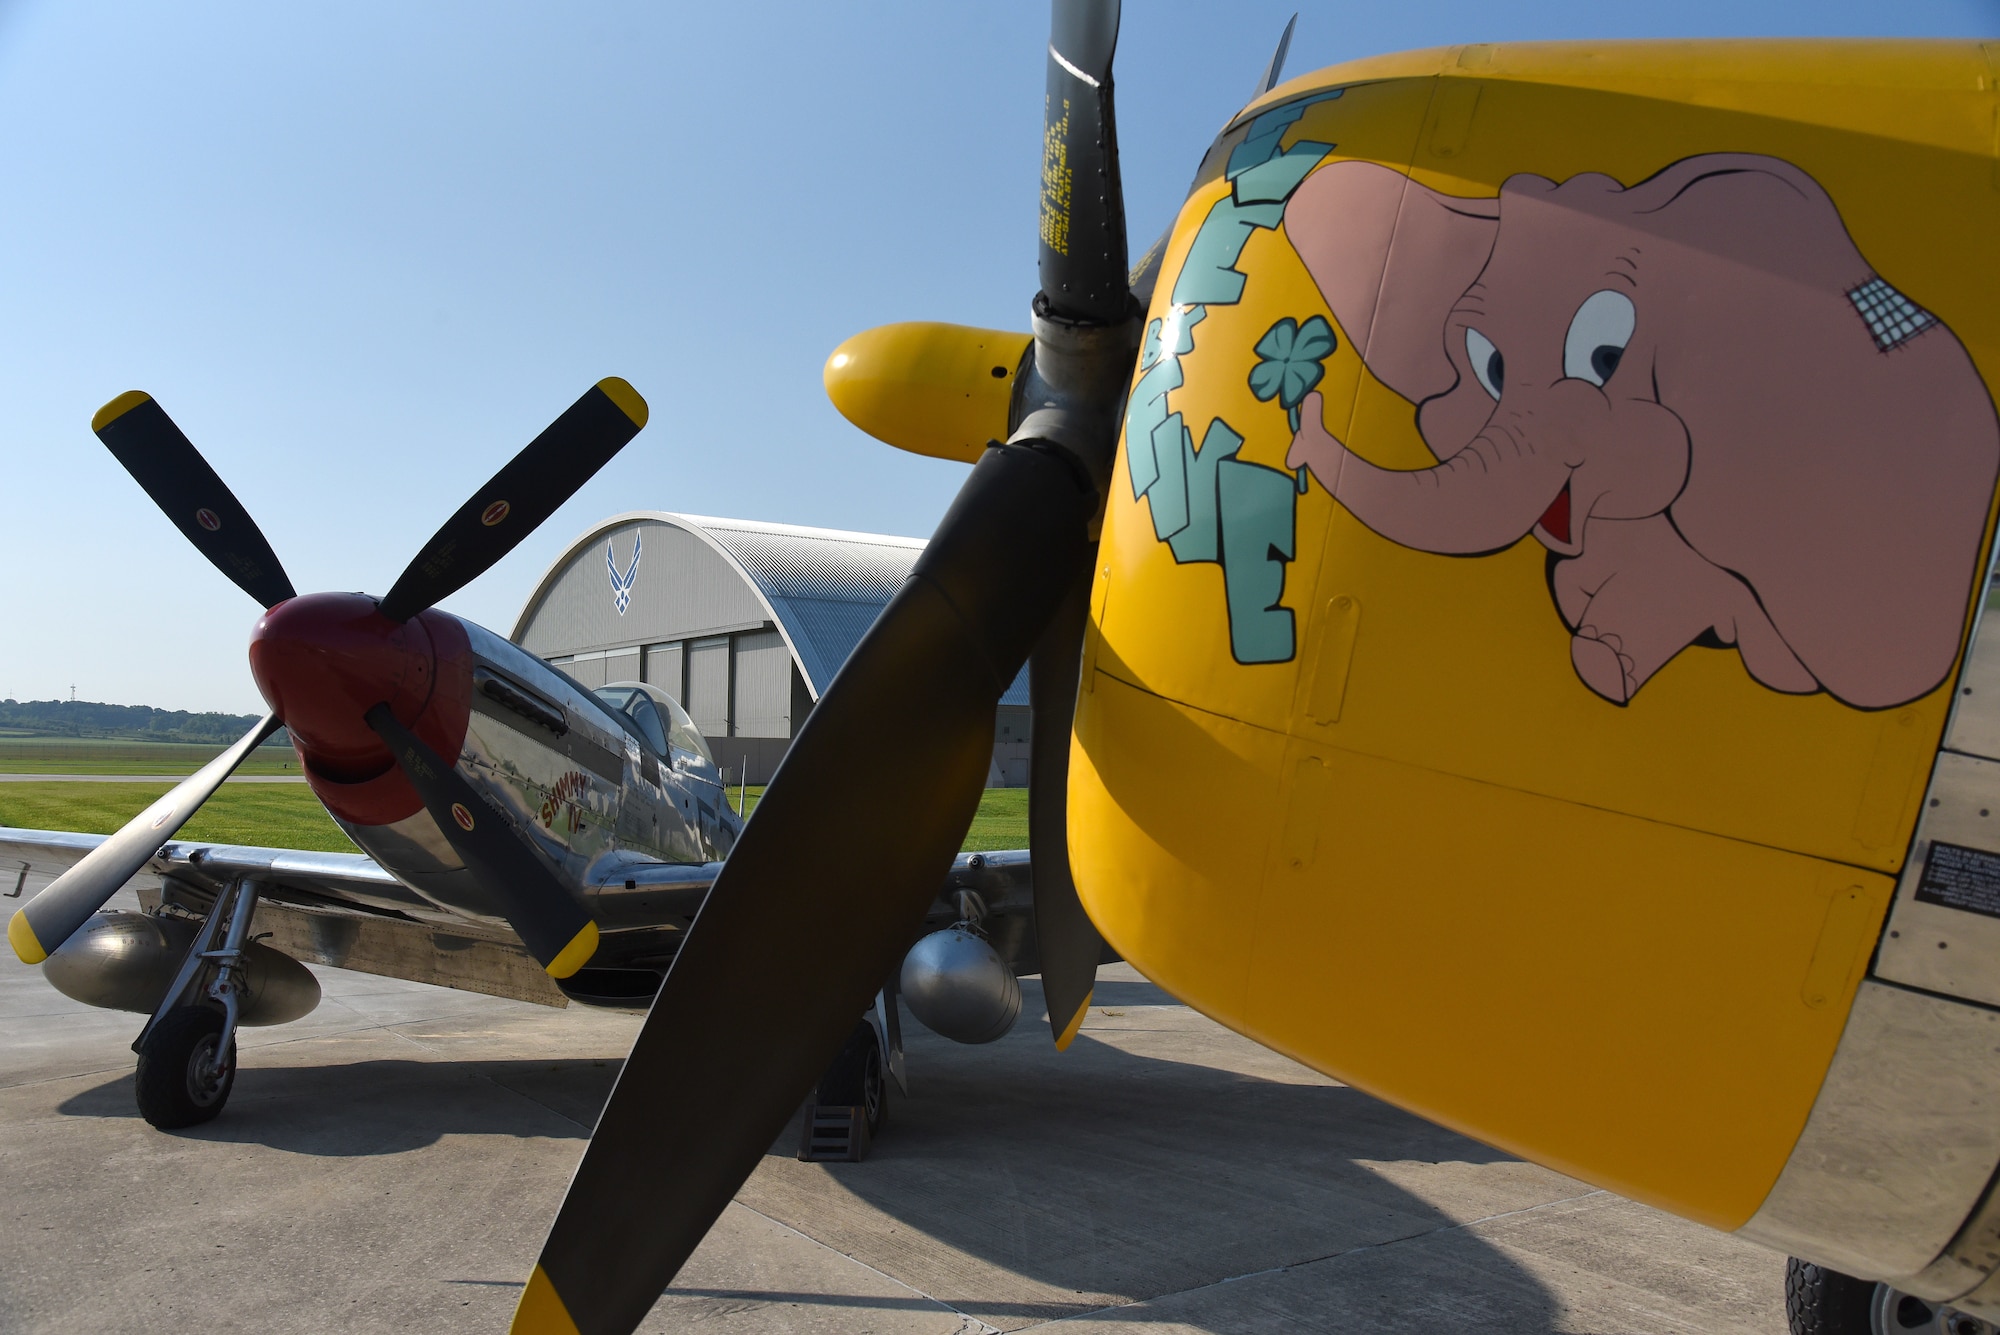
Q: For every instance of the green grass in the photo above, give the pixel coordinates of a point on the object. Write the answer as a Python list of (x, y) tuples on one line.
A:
[(284, 815), (87, 755), (1002, 821), (272, 815)]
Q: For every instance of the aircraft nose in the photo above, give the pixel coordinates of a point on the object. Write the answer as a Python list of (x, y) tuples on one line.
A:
[(323, 660)]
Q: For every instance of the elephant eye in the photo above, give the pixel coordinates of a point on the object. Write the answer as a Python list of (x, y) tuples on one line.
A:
[(1487, 363), (1598, 333)]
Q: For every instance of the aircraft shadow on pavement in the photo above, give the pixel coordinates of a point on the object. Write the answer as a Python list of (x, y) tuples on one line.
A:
[(1018, 1184), (388, 1107), (1097, 1177)]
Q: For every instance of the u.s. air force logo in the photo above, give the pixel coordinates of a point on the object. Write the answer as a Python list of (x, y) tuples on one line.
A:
[(621, 585)]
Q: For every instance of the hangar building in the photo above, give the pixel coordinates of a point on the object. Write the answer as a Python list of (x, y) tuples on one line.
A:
[(744, 623)]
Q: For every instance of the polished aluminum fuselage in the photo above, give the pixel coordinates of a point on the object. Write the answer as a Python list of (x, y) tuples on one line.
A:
[(588, 794)]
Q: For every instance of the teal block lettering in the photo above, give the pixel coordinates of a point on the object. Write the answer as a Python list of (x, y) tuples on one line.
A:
[(1256, 510), (1260, 143), (1274, 181), (1210, 276), (1147, 408), (1200, 540), (1169, 494)]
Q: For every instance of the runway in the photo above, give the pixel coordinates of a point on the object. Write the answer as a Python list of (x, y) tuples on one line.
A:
[(392, 1162)]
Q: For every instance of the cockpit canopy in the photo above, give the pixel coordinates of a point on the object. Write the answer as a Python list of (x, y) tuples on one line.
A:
[(656, 719)]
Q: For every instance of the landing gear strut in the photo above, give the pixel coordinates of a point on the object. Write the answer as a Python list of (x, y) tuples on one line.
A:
[(187, 1051)]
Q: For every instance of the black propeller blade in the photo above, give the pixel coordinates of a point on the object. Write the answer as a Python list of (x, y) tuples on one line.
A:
[(40, 926), (767, 986), (1068, 941), (1083, 204), (160, 459), (516, 500), (552, 925), (1275, 71)]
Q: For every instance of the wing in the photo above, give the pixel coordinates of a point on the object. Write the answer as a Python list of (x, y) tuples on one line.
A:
[(338, 909)]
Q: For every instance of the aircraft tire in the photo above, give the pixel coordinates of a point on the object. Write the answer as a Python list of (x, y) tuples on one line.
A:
[(179, 1083), (857, 1079), (1819, 1301)]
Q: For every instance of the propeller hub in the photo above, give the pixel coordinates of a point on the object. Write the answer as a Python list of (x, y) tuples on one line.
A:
[(324, 659)]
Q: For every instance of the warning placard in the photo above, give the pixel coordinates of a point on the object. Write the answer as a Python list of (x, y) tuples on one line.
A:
[(1961, 878)]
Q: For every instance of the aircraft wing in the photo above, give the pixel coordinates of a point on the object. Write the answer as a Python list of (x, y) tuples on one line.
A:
[(339, 909), (345, 910)]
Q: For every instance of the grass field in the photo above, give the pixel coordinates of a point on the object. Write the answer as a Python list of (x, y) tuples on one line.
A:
[(283, 815), (83, 755), (272, 815)]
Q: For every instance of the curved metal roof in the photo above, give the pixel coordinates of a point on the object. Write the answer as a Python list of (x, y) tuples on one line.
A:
[(822, 587)]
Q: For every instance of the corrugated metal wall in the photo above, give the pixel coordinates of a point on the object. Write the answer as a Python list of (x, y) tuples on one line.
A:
[(763, 686), (665, 668), (708, 685)]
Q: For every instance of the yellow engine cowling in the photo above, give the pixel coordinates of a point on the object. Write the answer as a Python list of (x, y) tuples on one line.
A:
[(1357, 770)]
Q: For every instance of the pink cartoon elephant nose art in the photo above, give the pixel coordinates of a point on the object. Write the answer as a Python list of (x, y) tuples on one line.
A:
[(1723, 425)]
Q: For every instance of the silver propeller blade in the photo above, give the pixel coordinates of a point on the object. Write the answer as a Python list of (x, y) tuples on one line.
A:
[(41, 925)]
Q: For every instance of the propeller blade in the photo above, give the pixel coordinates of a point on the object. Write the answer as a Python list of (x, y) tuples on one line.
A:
[(1068, 940), (166, 464), (516, 500), (1275, 71), (40, 926), (768, 984), (549, 921), (1083, 266)]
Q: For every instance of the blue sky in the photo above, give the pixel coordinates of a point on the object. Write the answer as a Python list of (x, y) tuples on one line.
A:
[(363, 252)]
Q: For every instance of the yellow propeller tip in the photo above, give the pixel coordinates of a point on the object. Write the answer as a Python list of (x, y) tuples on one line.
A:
[(21, 936), (118, 407), (1068, 1034), (541, 1311), (629, 402), (574, 955)]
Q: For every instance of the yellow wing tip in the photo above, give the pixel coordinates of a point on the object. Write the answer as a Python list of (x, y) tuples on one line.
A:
[(1068, 1034), (118, 407), (541, 1311), (580, 948), (628, 399), (21, 936)]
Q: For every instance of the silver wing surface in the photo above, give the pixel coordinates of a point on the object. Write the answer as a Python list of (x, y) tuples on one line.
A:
[(339, 909)]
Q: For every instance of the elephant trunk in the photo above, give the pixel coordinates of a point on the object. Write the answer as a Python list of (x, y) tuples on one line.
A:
[(1479, 500)]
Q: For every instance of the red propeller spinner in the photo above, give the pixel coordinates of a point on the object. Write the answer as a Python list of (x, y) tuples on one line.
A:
[(323, 660)]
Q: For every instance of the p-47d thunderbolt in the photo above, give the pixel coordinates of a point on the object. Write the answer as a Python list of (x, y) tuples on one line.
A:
[(525, 836)]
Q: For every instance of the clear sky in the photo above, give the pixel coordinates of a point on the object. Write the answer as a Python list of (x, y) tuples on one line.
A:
[(364, 251)]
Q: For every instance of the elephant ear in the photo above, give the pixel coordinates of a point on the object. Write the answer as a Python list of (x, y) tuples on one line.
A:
[(1391, 257), (1842, 469)]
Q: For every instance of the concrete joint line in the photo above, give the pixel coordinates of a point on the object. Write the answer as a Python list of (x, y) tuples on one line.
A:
[(970, 1325)]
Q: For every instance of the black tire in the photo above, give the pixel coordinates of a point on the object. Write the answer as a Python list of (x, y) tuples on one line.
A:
[(856, 1078), (178, 1083), (1819, 1301)]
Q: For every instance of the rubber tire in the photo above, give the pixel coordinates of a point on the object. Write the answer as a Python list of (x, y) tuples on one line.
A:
[(162, 1081), (857, 1078), (1819, 1301)]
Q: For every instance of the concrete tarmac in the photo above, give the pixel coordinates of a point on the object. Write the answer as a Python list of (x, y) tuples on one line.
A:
[(392, 1162)]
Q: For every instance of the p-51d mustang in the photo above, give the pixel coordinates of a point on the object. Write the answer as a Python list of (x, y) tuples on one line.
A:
[(525, 836)]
